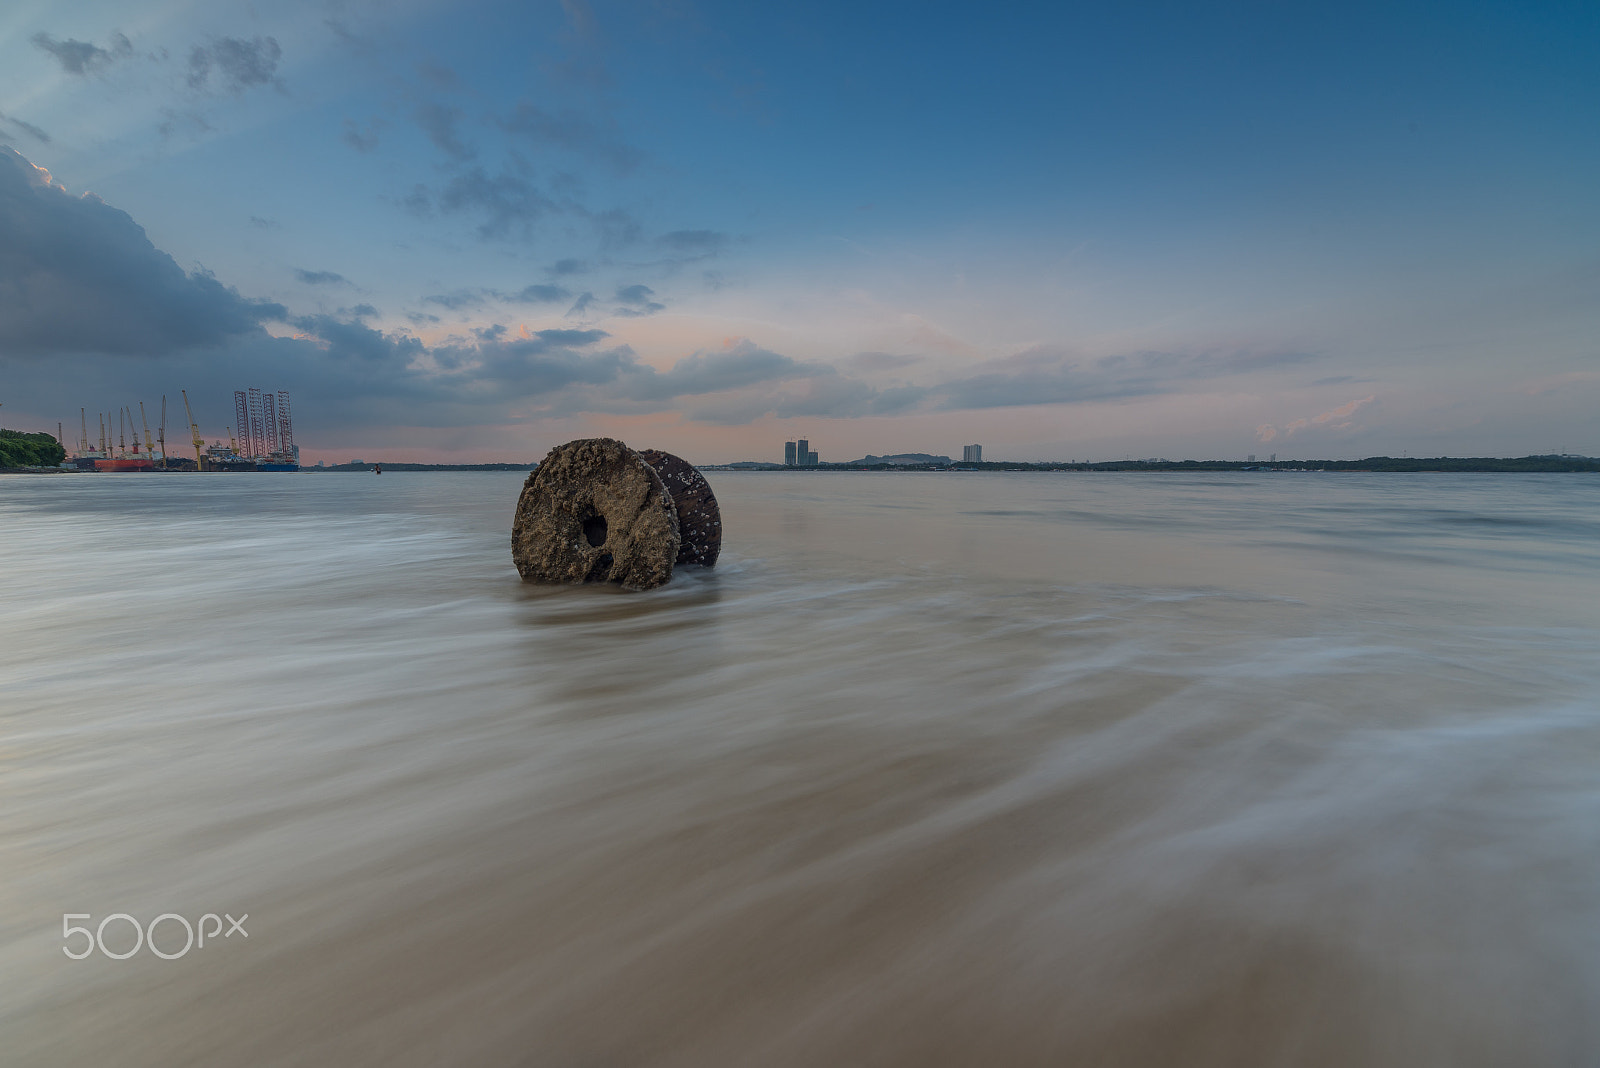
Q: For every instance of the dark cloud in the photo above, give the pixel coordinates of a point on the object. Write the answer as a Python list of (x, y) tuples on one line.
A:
[(81, 279), (455, 301), (235, 63), (573, 132), (616, 228), (362, 136), (508, 203), (352, 340), (265, 224), (571, 337), (26, 127), (82, 57), (563, 268), (635, 301), (422, 317), (441, 123), (744, 365), (817, 391), (320, 278), (544, 364), (538, 294), (79, 276), (532, 294), (698, 244)]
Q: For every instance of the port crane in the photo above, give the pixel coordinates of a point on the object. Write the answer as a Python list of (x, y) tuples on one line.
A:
[(149, 446), (161, 431), (194, 430)]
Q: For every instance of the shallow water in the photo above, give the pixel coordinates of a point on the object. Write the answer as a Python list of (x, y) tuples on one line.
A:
[(931, 769)]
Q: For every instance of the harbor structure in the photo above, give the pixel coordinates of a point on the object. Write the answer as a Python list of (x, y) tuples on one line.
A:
[(265, 429)]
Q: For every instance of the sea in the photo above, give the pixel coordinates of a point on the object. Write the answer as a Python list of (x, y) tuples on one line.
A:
[(1203, 769)]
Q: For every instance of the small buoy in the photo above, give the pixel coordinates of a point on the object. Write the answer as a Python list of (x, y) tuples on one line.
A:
[(699, 518), (595, 511)]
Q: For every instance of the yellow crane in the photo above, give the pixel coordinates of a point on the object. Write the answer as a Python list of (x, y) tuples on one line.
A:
[(161, 430), (194, 429)]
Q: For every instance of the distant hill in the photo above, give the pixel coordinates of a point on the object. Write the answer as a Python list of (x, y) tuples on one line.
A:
[(898, 459)]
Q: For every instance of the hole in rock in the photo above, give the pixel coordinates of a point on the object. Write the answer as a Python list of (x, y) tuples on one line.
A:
[(594, 529)]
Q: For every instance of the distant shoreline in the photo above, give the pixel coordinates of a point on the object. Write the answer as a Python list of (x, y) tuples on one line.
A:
[(1376, 464), (1420, 465)]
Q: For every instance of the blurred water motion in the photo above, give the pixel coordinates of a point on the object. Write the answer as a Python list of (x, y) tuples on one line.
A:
[(932, 769)]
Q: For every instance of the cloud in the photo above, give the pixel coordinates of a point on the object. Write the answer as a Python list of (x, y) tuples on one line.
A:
[(1333, 419), (236, 63), (79, 276), (81, 279), (508, 202), (362, 136), (699, 244), (187, 120), (26, 127), (354, 340), (882, 361), (744, 364), (440, 122), (320, 278), (1048, 376), (1562, 382), (456, 301), (573, 132), (616, 228), (475, 298), (538, 294), (563, 268), (635, 301), (82, 57), (265, 224)]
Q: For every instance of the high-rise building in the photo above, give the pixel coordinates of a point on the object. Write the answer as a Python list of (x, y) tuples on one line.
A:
[(972, 454), (789, 454)]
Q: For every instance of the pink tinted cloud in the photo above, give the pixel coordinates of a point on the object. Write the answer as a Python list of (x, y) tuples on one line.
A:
[(1334, 419)]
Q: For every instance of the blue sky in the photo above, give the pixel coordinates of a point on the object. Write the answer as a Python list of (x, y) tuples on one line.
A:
[(464, 232)]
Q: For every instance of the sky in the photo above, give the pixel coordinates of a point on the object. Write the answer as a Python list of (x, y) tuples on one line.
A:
[(462, 233)]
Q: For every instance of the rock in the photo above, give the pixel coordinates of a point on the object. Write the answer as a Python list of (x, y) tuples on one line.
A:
[(699, 518), (594, 511)]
